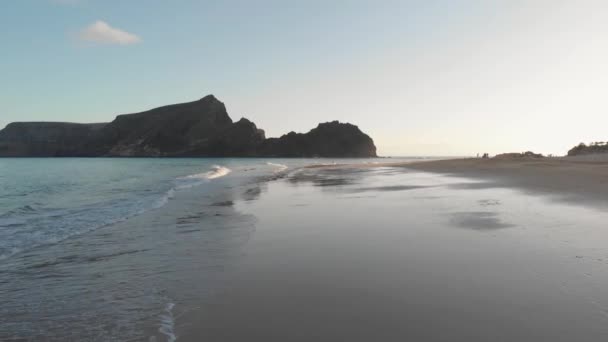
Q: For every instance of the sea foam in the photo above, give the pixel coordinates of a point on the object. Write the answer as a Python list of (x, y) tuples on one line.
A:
[(197, 179), (167, 323), (278, 167), (216, 171)]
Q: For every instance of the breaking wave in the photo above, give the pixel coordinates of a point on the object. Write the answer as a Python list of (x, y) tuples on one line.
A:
[(278, 167), (216, 171), (197, 179)]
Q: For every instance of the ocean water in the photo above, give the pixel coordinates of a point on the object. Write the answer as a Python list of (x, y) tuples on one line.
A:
[(102, 249)]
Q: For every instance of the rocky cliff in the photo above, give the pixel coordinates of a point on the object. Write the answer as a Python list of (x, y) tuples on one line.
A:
[(199, 128)]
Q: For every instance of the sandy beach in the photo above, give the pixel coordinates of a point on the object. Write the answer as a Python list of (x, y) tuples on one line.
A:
[(430, 251), (579, 180)]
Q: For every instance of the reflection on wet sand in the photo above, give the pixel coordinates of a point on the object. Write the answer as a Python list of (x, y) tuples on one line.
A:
[(478, 220), (390, 188), (321, 179), (223, 204), (254, 191), (327, 264)]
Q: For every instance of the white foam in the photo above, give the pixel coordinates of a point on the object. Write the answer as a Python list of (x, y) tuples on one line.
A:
[(278, 167), (196, 179), (161, 202), (325, 164), (216, 171), (167, 323)]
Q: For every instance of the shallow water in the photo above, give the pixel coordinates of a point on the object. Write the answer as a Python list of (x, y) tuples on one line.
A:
[(120, 249)]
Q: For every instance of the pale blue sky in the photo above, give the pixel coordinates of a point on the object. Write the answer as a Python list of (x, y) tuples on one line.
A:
[(421, 77)]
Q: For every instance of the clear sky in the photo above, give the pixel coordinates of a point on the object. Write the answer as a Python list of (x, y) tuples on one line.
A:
[(421, 77)]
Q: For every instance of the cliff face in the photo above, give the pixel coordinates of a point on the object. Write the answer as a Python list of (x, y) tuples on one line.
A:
[(165, 131), (199, 128)]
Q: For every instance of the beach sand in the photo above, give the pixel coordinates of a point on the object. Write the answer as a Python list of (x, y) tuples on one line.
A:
[(579, 179), (410, 252)]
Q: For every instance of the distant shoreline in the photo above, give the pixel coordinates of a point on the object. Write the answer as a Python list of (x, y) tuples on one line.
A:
[(581, 179)]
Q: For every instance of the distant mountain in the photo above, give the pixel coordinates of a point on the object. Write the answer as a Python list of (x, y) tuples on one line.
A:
[(594, 148), (199, 128)]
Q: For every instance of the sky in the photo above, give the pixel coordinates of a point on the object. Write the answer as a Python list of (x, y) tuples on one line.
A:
[(437, 78)]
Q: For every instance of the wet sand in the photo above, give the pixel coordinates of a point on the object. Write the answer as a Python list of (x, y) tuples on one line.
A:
[(581, 180), (395, 254)]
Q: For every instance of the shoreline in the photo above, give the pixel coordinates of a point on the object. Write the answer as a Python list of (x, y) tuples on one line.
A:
[(570, 179), (567, 179)]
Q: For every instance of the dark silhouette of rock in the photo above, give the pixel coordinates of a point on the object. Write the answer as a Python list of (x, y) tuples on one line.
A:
[(330, 139), (593, 148), (47, 139), (169, 130), (240, 139), (199, 128), (527, 154)]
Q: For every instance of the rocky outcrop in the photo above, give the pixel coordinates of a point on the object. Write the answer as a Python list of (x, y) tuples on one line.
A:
[(528, 154), (199, 128), (594, 148), (241, 139), (166, 131), (48, 139), (330, 139)]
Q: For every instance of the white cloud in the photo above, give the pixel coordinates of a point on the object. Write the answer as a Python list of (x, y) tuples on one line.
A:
[(102, 32)]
